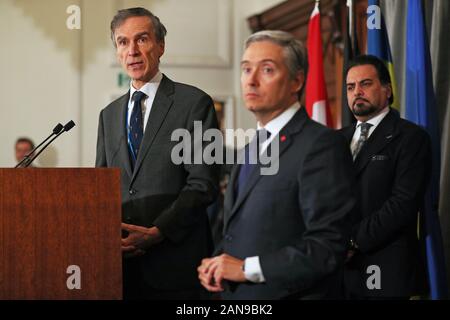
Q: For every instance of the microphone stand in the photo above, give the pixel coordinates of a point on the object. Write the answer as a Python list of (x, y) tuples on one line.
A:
[(56, 130), (69, 125)]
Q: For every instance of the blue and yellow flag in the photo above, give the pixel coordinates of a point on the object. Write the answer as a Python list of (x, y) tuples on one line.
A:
[(421, 109), (378, 44)]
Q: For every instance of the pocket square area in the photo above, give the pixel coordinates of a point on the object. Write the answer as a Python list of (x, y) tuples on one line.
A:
[(379, 157)]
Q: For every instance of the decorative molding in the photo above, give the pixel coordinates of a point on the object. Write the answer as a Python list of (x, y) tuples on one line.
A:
[(289, 15), (228, 102), (222, 58), (228, 114)]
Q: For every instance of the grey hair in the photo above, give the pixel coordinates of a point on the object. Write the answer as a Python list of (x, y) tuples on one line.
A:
[(294, 51), (122, 15)]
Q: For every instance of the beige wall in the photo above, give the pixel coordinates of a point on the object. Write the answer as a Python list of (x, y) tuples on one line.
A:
[(39, 86), (52, 74)]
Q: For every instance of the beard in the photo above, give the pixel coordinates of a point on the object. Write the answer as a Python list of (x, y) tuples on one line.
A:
[(363, 108)]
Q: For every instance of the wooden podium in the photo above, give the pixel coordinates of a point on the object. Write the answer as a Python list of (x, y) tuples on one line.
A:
[(60, 234)]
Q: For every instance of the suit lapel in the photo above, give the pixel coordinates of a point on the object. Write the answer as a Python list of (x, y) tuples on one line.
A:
[(229, 198), (285, 138), (253, 177), (383, 134), (124, 155), (161, 106), (348, 133)]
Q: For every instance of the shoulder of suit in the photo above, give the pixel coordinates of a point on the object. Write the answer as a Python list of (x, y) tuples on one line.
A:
[(118, 103), (408, 127), (183, 88), (180, 87), (346, 129), (316, 132), (317, 127)]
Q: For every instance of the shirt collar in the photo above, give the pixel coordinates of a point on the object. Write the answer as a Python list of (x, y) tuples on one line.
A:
[(375, 121), (275, 125), (150, 87)]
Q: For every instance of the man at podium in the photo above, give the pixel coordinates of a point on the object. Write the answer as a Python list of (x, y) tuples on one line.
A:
[(166, 230)]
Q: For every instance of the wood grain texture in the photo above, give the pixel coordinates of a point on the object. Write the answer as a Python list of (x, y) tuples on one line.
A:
[(53, 218)]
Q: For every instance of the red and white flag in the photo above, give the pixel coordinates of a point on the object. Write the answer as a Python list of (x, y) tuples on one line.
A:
[(316, 91)]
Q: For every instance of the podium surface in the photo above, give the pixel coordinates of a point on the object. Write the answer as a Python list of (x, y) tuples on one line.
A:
[(60, 233)]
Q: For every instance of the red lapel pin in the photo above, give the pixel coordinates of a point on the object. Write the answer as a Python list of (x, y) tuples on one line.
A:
[(283, 138)]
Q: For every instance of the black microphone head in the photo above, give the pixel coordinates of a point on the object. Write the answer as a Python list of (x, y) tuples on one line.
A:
[(58, 128), (69, 125)]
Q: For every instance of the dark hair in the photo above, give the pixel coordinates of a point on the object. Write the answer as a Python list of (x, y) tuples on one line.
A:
[(378, 64), (122, 15), (27, 140)]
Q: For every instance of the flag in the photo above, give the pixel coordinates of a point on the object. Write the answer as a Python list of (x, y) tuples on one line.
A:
[(316, 91), (350, 51), (378, 44), (421, 109)]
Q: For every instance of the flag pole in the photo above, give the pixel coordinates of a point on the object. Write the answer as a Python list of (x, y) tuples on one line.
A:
[(350, 18)]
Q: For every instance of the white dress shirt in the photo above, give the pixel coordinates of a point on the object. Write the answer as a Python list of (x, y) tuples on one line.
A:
[(149, 89), (275, 125), (375, 121), (252, 270)]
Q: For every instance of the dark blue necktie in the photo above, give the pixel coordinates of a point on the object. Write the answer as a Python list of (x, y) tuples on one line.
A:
[(251, 158), (136, 127)]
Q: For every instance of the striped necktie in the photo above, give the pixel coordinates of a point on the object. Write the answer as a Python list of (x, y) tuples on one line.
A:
[(365, 127)]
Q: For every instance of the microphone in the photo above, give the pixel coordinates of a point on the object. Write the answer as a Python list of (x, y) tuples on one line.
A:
[(69, 125), (57, 129)]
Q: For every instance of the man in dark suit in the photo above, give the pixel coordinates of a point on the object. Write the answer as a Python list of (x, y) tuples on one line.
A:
[(285, 234), (392, 163), (166, 231)]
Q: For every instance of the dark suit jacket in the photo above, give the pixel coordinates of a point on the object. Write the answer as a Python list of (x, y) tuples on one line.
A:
[(158, 192), (298, 220), (392, 171)]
